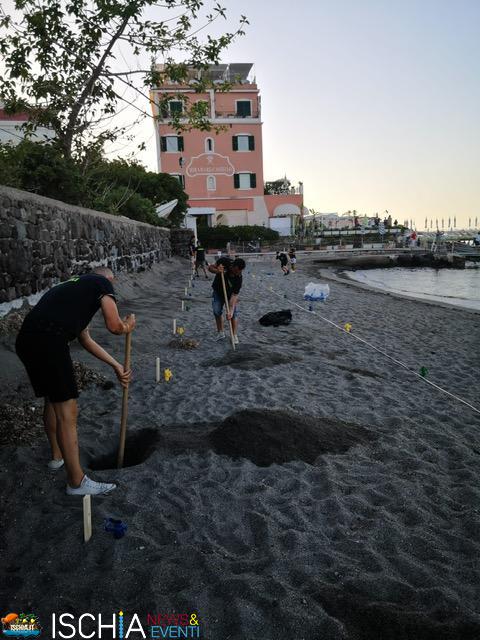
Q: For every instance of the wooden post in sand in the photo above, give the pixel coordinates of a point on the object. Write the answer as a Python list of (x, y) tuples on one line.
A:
[(227, 307), (87, 518), (123, 423)]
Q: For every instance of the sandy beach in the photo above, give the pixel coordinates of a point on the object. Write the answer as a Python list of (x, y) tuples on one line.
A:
[(302, 487)]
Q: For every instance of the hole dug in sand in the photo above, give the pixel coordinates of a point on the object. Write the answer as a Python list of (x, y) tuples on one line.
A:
[(249, 357), (268, 437), (139, 446)]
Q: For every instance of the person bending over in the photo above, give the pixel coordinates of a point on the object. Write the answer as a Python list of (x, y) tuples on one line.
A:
[(62, 315), (232, 271)]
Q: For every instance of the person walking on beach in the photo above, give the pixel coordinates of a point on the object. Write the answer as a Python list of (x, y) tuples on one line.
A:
[(283, 262), (191, 250), (200, 259), (292, 257), (232, 270), (61, 315)]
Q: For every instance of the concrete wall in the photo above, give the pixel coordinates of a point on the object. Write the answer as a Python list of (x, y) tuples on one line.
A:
[(44, 241)]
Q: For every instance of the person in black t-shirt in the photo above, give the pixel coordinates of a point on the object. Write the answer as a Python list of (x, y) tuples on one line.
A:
[(61, 315), (283, 262), (200, 259), (232, 270)]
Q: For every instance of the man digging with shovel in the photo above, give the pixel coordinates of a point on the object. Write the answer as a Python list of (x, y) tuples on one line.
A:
[(60, 316), (232, 272)]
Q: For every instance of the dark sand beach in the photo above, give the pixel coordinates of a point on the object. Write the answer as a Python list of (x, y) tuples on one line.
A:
[(302, 487)]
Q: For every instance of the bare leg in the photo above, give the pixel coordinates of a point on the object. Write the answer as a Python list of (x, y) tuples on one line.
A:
[(219, 322), (50, 424), (234, 326), (66, 415)]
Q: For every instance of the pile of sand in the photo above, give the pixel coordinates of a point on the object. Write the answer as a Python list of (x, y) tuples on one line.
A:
[(268, 437)]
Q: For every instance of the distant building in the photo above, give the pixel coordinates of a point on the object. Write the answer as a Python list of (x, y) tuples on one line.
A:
[(223, 172), (11, 131)]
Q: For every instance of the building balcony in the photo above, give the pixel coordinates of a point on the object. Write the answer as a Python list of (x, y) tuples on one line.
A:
[(234, 114)]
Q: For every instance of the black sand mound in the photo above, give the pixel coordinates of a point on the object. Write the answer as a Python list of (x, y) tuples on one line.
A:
[(249, 357), (268, 437), (85, 376), (20, 422), (139, 446)]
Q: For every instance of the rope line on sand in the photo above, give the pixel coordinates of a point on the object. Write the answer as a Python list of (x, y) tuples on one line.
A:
[(383, 353)]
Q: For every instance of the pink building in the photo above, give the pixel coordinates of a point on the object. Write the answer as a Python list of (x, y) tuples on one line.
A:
[(11, 131), (223, 172)]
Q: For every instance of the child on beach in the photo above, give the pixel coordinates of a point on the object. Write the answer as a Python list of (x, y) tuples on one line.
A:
[(293, 257)]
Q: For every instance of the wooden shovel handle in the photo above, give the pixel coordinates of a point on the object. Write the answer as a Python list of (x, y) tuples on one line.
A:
[(123, 423), (227, 307)]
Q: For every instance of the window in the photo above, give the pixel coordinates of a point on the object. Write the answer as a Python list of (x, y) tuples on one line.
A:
[(243, 143), (211, 183), (244, 108), (170, 108), (202, 108), (175, 106), (209, 145), (171, 143), (244, 180), (180, 178)]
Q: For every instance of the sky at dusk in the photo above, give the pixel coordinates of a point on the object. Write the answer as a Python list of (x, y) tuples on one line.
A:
[(372, 104)]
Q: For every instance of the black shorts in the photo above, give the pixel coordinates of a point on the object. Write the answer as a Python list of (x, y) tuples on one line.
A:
[(46, 357)]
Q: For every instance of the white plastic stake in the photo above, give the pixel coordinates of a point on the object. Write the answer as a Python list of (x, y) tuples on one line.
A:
[(87, 518), (174, 326), (183, 305), (186, 291), (157, 369)]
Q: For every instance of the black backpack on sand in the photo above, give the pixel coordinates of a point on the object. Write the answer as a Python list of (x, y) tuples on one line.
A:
[(276, 318)]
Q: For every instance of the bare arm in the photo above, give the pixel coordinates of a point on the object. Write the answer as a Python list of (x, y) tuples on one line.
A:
[(89, 344), (232, 304), (113, 322), (213, 268)]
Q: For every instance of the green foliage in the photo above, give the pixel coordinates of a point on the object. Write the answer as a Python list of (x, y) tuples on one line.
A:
[(214, 237), (40, 168), (276, 187), (62, 61), (118, 187), (128, 189)]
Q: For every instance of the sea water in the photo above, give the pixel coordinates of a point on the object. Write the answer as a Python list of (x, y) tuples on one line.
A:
[(460, 287)]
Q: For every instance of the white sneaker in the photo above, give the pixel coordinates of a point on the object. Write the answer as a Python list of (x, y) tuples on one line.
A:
[(220, 335), (90, 487), (55, 465), (235, 339)]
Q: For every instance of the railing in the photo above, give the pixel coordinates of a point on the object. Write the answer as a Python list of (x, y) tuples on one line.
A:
[(234, 114), (292, 191)]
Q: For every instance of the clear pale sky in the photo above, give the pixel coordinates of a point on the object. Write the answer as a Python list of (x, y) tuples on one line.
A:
[(372, 104)]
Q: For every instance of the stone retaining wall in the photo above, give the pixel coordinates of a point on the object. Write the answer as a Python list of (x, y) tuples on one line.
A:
[(44, 241)]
